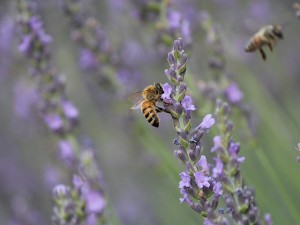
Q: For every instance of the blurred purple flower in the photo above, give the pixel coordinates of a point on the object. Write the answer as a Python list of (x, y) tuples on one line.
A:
[(26, 44), (78, 182), (233, 93), (203, 163), (208, 222), (166, 96), (54, 122), (38, 28), (268, 219), (185, 180), (88, 60), (218, 169), (207, 122), (234, 149), (51, 176), (70, 110), (187, 104), (186, 31), (201, 179), (217, 189), (217, 144), (66, 152), (174, 19), (92, 219), (95, 203), (61, 191)]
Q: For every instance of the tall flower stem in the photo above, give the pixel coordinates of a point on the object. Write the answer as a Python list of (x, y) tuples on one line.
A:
[(86, 200)]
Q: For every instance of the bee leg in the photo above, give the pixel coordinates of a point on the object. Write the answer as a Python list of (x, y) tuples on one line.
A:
[(270, 47), (263, 54), (160, 109)]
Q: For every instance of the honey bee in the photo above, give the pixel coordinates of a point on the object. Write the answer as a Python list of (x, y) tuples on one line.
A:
[(146, 100), (267, 35)]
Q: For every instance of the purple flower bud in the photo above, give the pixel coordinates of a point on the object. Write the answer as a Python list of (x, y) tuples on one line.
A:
[(69, 110), (166, 96), (234, 94), (187, 104), (203, 163), (95, 203), (185, 180), (171, 74), (180, 155), (201, 179), (171, 59)]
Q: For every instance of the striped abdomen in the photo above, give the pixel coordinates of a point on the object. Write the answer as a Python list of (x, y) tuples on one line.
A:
[(253, 44), (148, 109)]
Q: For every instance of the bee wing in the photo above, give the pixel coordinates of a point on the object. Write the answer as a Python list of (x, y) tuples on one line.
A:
[(137, 99)]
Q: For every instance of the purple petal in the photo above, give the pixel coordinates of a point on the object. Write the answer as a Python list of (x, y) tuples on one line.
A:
[(95, 203), (167, 92), (185, 180), (233, 93), (201, 179), (187, 103), (203, 163), (207, 122)]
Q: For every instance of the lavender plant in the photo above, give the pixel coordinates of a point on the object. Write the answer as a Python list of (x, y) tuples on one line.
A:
[(85, 201), (97, 53), (168, 22), (202, 189)]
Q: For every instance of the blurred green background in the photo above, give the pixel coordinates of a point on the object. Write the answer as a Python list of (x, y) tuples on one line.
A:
[(137, 160)]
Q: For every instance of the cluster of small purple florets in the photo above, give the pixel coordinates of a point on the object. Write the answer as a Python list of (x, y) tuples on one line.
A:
[(85, 201), (202, 184)]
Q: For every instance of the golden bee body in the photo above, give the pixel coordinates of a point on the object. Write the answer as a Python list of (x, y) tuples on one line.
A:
[(267, 35), (149, 97)]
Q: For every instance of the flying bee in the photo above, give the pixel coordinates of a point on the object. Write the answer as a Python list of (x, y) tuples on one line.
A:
[(267, 35), (146, 100)]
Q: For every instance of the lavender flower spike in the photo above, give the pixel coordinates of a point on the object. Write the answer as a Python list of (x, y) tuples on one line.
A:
[(197, 184)]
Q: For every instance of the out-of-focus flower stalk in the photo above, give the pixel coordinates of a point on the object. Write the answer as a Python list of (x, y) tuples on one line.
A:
[(239, 199), (86, 200), (96, 52), (168, 23), (222, 85)]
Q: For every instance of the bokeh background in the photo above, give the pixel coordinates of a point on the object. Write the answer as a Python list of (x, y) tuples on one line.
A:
[(137, 161)]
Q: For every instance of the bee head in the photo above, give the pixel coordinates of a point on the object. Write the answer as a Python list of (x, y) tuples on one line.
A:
[(277, 31), (158, 88)]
